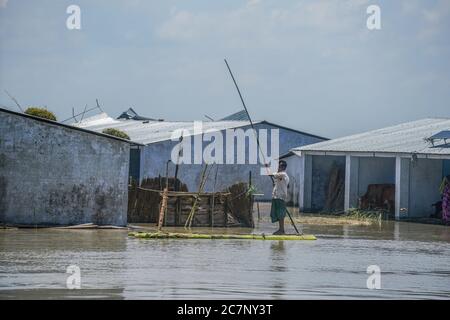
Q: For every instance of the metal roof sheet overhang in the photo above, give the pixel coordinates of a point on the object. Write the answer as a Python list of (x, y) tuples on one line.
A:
[(371, 154)]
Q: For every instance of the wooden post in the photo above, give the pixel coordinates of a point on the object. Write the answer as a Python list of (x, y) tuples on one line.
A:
[(194, 203), (211, 210), (250, 199), (257, 206), (177, 211), (162, 210), (225, 212)]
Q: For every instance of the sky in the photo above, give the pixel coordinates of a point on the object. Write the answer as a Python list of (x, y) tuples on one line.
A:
[(309, 65)]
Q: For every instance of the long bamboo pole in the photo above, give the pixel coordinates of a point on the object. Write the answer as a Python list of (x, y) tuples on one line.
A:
[(257, 139)]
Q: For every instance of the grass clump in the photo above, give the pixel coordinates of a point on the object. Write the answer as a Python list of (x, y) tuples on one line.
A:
[(116, 133), (41, 113), (354, 217), (371, 216)]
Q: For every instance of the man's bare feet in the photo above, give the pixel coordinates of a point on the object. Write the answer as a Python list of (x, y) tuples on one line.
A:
[(278, 232)]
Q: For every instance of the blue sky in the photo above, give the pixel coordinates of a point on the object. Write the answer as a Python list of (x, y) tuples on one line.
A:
[(309, 65)]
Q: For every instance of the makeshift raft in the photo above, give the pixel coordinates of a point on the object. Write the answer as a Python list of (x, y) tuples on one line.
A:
[(168, 235)]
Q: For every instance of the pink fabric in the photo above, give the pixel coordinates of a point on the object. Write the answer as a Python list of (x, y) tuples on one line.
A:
[(446, 204)]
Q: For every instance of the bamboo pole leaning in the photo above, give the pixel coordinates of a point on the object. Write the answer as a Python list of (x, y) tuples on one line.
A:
[(162, 209), (190, 217)]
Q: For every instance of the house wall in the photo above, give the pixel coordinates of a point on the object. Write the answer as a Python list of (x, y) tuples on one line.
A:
[(294, 171), (375, 170), (446, 168), (154, 158), (425, 178), (54, 175)]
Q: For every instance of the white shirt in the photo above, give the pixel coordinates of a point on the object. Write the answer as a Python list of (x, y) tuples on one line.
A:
[(281, 182)]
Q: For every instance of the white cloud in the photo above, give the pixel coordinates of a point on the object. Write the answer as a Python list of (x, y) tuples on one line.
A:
[(437, 13), (431, 16), (3, 3), (260, 22)]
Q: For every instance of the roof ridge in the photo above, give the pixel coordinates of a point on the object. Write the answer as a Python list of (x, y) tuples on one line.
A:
[(407, 137), (355, 135)]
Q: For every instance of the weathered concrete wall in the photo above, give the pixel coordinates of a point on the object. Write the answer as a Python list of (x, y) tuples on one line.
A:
[(54, 175), (375, 170), (425, 178), (155, 156)]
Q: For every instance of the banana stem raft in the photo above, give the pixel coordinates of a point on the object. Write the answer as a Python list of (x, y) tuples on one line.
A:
[(166, 235)]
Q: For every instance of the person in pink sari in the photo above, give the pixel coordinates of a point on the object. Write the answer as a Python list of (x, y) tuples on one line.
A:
[(445, 190)]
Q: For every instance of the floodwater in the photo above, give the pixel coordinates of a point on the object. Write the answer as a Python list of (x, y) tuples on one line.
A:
[(414, 260)]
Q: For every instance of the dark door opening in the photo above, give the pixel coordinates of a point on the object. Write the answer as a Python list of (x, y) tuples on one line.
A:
[(135, 164)]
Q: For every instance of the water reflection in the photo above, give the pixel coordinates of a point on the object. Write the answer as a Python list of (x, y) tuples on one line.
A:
[(414, 260), (278, 265)]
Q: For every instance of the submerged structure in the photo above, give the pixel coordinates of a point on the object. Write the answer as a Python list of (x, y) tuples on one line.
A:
[(397, 169), (157, 136), (230, 208), (57, 174)]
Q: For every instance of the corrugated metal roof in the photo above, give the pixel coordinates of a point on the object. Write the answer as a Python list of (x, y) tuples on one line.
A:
[(411, 138), (146, 132), (445, 134)]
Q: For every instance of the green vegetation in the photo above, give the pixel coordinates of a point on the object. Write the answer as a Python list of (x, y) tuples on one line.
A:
[(116, 133), (41, 113), (360, 215), (251, 190), (354, 218)]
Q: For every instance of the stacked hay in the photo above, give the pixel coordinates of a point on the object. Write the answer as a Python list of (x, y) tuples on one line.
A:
[(241, 205)]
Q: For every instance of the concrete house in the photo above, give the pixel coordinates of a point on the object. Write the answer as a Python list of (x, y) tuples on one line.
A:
[(414, 156), (151, 160), (57, 174)]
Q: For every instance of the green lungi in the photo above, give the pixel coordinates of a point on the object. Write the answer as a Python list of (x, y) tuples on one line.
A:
[(278, 210)]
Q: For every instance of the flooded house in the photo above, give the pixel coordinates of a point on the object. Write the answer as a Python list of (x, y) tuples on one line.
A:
[(231, 165), (398, 169), (57, 174)]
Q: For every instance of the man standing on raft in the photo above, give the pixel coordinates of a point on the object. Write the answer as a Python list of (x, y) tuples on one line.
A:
[(279, 196)]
